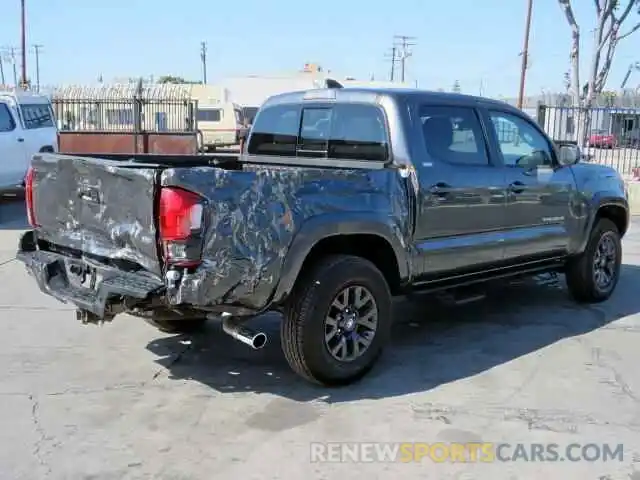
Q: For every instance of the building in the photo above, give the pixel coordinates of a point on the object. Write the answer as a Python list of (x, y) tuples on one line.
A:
[(251, 91)]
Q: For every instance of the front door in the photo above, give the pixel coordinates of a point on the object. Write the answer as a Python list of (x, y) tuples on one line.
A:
[(539, 194), (461, 201), (13, 158)]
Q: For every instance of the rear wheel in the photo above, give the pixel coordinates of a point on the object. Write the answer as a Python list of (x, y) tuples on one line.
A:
[(592, 277), (338, 320)]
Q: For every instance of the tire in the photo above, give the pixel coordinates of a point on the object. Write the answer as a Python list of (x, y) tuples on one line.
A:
[(308, 317), (581, 271), (191, 325)]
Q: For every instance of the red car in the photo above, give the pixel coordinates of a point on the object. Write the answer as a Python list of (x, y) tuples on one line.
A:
[(602, 139)]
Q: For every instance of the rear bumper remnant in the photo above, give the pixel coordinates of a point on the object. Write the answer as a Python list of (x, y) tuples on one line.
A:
[(115, 287)]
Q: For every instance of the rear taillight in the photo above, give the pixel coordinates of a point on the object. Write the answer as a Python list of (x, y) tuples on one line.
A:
[(180, 226), (28, 195)]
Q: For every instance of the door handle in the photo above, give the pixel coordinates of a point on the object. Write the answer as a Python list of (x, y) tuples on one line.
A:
[(517, 187), (21, 140), (440, 190)]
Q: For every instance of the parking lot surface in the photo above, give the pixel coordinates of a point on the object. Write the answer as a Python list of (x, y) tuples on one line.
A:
[(123, 401)]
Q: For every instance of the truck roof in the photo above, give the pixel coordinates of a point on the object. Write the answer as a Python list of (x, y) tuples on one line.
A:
[(371, 94), (24, 98)]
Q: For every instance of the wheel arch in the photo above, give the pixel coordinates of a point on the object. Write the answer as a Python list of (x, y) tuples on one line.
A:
[(368, 238)]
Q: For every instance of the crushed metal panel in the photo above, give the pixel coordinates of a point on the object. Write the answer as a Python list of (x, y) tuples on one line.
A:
[(254, 215)]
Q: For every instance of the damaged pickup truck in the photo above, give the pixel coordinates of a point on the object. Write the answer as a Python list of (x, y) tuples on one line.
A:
[(340, 199)]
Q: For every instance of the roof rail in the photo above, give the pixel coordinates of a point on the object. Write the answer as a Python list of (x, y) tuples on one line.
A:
[(331, 83)]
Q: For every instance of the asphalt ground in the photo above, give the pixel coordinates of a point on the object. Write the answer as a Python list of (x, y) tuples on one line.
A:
[(122, 401)]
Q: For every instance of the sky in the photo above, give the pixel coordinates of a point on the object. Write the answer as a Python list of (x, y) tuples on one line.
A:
[(476, 42)]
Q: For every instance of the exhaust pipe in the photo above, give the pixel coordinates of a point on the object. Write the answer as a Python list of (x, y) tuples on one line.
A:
[(255, 340)]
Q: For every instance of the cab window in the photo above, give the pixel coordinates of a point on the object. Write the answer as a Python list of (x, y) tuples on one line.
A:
[(275, 131), (344, 131), (358, 132), (521, 144), (37, 115), (453, 135)]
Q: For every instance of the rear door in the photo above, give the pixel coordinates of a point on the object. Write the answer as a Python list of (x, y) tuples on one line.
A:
[(13, 158), (461, 203), (539, 194)]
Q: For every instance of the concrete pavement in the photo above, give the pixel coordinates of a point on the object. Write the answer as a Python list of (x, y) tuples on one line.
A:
[(123, 401)]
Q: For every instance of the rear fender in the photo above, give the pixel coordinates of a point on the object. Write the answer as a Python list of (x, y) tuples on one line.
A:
[(323, 226)]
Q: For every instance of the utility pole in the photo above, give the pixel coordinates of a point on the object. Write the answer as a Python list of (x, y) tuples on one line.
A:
[(12, 53), (393, 58), (203, 58), (525, 53), (402, 43), (2, 79), (36, 49), (23, 41)]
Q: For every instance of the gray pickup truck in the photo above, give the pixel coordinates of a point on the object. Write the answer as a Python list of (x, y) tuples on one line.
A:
[(340, 199)]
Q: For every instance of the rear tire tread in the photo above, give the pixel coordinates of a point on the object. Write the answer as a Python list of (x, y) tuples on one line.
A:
[(299, 312)]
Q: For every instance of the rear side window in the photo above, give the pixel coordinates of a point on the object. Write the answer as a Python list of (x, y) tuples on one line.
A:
[(7, 123), (209, 114), (37, 115), (344, 131), (454, 135)]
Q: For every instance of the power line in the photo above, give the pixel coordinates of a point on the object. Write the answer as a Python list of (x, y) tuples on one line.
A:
[(402, 43), (203, 58)]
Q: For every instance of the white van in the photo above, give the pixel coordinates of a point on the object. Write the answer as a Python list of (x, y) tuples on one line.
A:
[(27, 126), (221, 124)]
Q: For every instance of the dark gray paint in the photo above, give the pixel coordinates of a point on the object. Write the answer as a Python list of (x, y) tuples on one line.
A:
[(262, 220), (255, 215)]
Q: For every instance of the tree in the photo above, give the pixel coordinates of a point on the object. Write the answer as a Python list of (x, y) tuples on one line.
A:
[(610, 18), (173, 79)]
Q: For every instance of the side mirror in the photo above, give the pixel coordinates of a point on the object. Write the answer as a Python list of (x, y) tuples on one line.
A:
[(568, 154)]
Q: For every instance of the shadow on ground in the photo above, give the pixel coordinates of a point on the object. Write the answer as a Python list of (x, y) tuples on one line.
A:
[(433, 344), (13, 215)]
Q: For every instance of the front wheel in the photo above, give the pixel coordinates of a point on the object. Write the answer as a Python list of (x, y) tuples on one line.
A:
[(337, 322), (592, 277)]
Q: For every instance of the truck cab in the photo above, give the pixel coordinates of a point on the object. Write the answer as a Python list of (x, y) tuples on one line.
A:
[(27, 126)]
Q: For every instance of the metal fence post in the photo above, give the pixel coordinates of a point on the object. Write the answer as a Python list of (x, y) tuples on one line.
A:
[(540, 114)]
